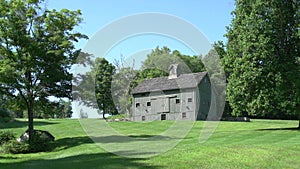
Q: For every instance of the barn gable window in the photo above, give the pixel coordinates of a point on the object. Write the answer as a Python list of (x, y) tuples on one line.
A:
[(177, 101), (148, 103), (190, 100), (137, 105)]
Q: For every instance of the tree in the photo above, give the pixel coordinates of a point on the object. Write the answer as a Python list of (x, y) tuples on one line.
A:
[(161, 58), (54, 109), (220, 50), (261, 58), (36, 52), (103, 81), (121, 88), (94, 87), (217, 77)]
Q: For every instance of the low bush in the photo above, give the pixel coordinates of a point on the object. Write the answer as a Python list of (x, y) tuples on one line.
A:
[(6, 136), (40, 142), (15, 147), (9, 144)]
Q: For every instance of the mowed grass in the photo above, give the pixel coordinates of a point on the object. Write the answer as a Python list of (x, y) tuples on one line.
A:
[(258, 144)]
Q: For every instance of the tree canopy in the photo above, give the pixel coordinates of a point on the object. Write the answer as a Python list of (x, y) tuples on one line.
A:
[(261, 58), (36, 52), (161, 58)]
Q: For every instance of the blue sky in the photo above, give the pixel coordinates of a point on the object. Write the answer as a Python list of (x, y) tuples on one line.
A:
[(208, 16)]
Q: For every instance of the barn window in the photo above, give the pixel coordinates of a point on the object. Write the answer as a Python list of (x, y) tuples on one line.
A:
[(184, 115), (177, 101), (190, 100), (163, 117), (143, 118), (148, 103), (137, 105)]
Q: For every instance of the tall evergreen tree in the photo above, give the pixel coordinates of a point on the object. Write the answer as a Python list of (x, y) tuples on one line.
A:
[(261, 58), (94, 88), (103, 83)]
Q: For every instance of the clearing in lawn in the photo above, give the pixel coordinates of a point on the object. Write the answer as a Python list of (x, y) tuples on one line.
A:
[(258, 144)]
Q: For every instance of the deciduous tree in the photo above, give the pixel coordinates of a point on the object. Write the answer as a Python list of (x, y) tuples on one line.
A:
[(36, 52), (261, 58), (161, 58)]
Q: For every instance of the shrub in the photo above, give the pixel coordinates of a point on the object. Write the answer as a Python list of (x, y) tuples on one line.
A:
[(40, 142), (15, 147), (6, 136)]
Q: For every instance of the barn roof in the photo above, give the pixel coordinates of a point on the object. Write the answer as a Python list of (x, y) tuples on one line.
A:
[(183, 81)]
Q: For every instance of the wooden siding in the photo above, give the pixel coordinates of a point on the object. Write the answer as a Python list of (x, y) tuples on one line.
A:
[(186, 104)]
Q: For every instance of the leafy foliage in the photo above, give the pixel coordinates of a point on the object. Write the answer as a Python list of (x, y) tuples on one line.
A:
[(261, 58), (40, 142), (15, 147), (6, 136), (96, 82), (9, 144), (218, 81), (121, 88), (162, 58), (54, 109), (104, 72), (5, 115), (36, 52), (158, 62)]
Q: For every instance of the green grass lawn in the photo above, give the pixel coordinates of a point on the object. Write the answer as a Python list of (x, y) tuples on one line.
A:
[(258, 144)]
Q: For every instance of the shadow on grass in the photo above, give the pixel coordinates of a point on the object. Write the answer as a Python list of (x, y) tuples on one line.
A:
[(275, 129), (98, 160), (124, 139), (142, 136), (70, 142), (92, 160), (1, 157), (20, 124)]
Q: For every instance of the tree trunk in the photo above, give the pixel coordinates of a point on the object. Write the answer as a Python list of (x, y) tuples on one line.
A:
[(30, 120), (299, 124), (103, 114)]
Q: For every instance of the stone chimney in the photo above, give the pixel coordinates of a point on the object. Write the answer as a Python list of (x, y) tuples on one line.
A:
[(174, 71)]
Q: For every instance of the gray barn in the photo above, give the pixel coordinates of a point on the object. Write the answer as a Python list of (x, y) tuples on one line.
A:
[(177, 97)]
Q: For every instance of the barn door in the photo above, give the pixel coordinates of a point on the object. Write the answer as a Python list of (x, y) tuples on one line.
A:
[(162, 105)]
